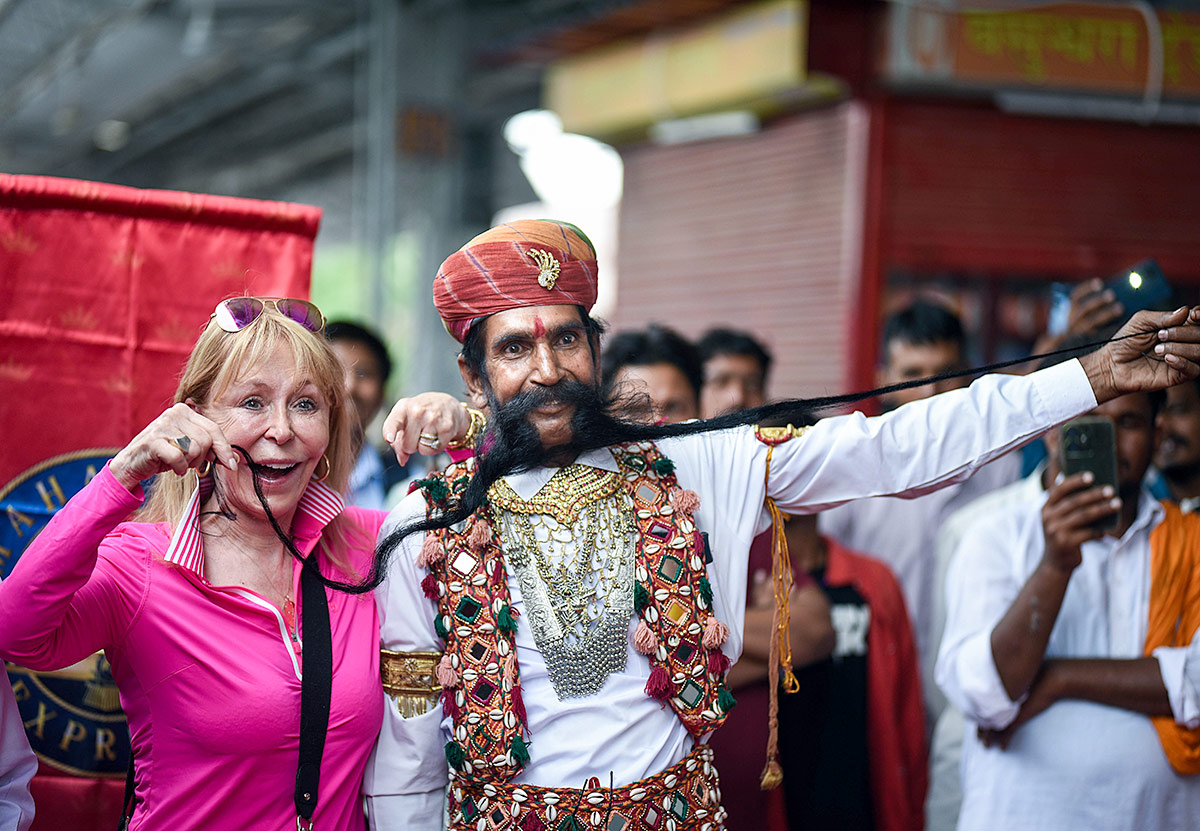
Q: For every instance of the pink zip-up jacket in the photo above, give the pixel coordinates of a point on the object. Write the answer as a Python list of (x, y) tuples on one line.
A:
[(208, 675)]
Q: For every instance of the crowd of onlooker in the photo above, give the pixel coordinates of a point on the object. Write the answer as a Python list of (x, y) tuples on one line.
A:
[(980, 657)]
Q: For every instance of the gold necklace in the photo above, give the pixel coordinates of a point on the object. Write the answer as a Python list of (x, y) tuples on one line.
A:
[(288, 609), (568, 492)]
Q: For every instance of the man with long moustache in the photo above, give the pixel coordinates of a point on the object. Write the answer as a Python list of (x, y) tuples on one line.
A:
[(560, 611)]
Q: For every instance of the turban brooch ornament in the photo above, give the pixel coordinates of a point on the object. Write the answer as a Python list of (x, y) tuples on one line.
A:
[(548, 268)]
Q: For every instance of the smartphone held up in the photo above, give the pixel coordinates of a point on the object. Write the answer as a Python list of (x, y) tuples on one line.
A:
[(1090, 444)]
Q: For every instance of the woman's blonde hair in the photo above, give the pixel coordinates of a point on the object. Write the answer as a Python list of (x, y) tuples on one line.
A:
[(218, 359)]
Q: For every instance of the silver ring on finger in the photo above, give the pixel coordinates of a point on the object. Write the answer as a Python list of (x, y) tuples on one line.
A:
[(429, 440), (182, 442)]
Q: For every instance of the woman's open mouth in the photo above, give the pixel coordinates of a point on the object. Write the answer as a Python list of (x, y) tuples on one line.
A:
[(272, 471)]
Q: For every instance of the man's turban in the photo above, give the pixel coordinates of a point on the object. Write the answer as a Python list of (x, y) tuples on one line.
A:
[(529, 262)]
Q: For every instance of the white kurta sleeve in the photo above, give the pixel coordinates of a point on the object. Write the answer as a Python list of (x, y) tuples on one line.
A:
[(1180, 667), (981, 585), (926, 444), (913, 450), (17, 763), (407, 772)]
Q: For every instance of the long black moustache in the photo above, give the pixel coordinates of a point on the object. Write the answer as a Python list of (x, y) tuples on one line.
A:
[(511, 444), (373, 579)]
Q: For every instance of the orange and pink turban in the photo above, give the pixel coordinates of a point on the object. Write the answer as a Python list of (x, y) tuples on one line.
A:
[(529, 262)]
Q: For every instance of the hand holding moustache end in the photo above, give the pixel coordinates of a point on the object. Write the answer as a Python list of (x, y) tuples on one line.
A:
[(179, 439), (1153, 351)]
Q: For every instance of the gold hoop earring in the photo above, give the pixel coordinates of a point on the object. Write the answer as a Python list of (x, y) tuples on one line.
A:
[(204, 469), (328, 468)]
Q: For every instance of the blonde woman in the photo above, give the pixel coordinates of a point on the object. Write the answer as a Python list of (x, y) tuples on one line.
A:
[(197, 604)]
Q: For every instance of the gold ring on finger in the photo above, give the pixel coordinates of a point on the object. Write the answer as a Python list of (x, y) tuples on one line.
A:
[(182, 442)]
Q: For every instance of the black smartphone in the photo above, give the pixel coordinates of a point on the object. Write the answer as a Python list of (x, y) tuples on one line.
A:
[(1090, 443), (1143, 286)]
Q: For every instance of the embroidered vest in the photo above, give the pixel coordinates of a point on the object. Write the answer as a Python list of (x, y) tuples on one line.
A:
[(677, 630)]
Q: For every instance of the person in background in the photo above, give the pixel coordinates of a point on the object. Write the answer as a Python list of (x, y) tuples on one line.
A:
[(1093, 316), (1067, 644), (852, 738), (921, 340), (735, 378), (17, 763), (367, 369), (658, 362), (736, 366), (1178, 456), (742, 744)]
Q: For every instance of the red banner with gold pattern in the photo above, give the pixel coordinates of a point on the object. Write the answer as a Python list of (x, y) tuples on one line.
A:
[(103, 292)]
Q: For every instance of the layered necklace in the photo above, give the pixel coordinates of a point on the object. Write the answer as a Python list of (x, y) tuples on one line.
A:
[(573, 549)]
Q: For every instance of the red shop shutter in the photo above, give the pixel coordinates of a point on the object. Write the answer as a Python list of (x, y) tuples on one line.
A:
[(760, 232)]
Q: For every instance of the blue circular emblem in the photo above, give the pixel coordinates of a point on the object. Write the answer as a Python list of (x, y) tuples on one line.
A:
[(72, 716)]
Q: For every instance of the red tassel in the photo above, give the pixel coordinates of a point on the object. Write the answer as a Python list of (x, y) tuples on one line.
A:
[(658, 686), (718, 662), (518, 703), (449, 704), (429, 586), (498, 571), (480, 536), (532, 822)]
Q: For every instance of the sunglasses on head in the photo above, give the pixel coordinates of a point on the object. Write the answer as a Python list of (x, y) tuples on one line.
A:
[(236, 313)]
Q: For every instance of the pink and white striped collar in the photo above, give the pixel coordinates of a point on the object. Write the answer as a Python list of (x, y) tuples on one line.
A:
[(317, 508)]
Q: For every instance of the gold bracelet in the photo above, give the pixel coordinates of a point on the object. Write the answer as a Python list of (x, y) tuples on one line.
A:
[(478, 422)]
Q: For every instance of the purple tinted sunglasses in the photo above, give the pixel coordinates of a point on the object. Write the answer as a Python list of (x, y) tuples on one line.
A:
[(236, 313)]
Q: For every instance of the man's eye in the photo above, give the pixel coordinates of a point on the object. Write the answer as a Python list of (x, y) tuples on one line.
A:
[(568, 338)]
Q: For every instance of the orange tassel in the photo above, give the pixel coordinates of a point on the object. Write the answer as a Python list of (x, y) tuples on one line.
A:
[(446, 674), (715, 633), (685, 501), (644, 640), (480, 536), (431, 552)]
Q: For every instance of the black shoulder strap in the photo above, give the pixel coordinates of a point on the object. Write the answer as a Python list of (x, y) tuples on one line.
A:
[(127, 802), (315, 690)]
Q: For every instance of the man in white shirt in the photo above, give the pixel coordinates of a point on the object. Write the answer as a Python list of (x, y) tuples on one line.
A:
[(1178, 456), (17, 763), (585, 637), (1044, 651), (366, 366), (921, 340)]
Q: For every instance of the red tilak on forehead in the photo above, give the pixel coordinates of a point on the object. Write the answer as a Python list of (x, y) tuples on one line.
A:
[(539, 328)]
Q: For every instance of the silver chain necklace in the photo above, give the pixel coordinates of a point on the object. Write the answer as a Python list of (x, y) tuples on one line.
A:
[(577, 585)]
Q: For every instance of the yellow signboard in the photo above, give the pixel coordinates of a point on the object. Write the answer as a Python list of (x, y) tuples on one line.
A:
[(733, 61)]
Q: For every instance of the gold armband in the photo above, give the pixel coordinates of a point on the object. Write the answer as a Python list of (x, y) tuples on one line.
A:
[(410, 678), (478, 422)]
